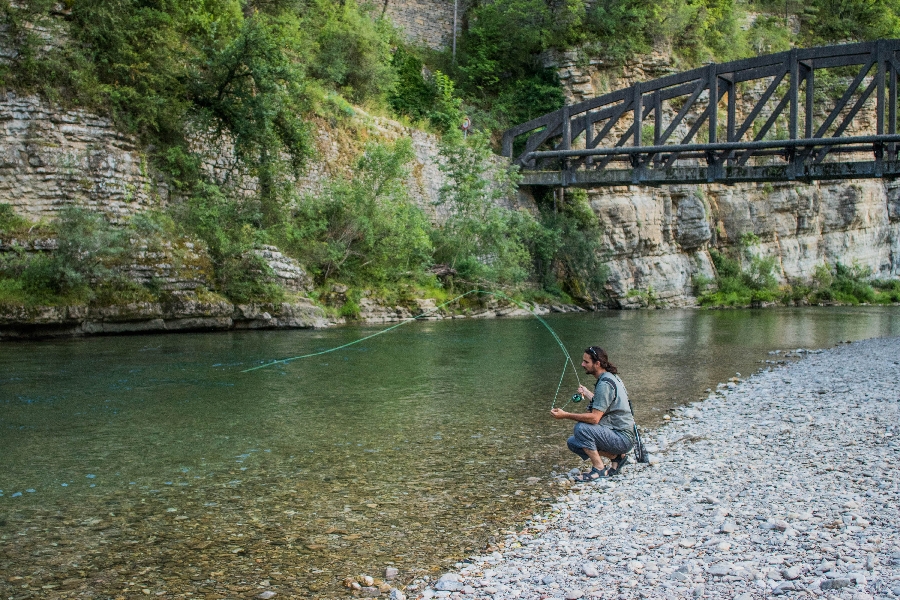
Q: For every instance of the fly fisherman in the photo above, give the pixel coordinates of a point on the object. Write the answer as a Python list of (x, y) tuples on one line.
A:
[(606, 428)]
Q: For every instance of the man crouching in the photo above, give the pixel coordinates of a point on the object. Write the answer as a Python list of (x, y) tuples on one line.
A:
[(607, 428)]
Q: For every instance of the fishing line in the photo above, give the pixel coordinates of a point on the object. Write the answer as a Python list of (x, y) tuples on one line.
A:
[(567, 362)]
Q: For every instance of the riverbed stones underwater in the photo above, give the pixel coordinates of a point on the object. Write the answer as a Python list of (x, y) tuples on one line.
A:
[(785, 484)]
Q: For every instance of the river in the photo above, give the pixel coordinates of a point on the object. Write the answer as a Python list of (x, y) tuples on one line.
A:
[(154, 465)]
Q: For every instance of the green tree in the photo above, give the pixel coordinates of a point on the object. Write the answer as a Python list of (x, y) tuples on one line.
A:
[(253, 89), (483, 241), (365, 230), (353, 48), (829, 21)]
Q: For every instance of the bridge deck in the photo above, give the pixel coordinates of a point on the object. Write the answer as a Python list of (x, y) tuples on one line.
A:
[(702, 175)]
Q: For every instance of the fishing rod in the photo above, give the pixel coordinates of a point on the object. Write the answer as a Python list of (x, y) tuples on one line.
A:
[(568, 358)]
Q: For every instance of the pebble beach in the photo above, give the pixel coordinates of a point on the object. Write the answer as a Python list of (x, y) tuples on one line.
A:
[(785, 483)]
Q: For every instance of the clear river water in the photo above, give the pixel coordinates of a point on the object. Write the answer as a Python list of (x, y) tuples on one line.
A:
[(153, 465)]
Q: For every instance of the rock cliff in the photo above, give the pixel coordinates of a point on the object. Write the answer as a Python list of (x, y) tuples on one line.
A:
[(657, 240)]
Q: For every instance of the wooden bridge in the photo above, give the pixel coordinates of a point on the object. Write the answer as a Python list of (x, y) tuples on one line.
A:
[(819, 113)]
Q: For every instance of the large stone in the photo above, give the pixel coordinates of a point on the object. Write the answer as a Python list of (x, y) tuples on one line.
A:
[(691, 224)]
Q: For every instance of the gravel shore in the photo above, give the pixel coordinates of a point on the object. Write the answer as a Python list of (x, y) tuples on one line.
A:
[(785, 484)]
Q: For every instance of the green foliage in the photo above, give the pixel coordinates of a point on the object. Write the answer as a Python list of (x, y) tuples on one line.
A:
[(445, 113), (504, 38), (622, 27), (887, 291), (739, 286), (10, 222), (484, 242), (424, 95), (253, 89), (843, 284), (769, 34), (88, 251), (413, 94), (352, 48), (647, 298), (829, 21), (499, 55), (230, 229), (158, 66), (528, 97), (567, 251), (365, 230)]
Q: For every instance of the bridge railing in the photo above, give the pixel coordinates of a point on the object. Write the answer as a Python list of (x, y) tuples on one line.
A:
[(792, 121)]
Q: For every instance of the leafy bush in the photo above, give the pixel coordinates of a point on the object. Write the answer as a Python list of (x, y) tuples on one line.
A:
[(843, 284), (737, 286), (231, 229), (366, 229), (499, 55), (88, 251), (769, 34), (567, 252), (623, 27), (485, 243), (10, 222), (829, 21), (352, 48), (887, 291), (413, 94)]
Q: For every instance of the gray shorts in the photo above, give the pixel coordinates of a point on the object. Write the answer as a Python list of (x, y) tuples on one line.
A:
[(598, 437)]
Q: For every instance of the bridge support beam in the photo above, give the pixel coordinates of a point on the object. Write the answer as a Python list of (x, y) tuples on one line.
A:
[(703, 175)]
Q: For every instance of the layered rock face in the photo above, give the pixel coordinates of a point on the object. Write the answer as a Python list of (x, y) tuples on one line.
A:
[(52, 158), (657, 240)]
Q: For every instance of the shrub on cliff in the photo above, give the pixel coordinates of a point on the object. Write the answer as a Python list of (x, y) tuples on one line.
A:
[(10, 222), (363, 230), (484, 242), (741, 285), (567, 253), (85, 261), (351, 48)]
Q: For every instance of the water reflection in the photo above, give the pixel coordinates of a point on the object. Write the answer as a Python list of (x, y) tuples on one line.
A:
[(153, 463)]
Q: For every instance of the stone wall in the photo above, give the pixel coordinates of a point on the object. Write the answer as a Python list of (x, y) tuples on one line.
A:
[(429, 22), (51, 158)]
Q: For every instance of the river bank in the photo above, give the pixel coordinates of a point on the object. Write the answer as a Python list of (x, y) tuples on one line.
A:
[(192, 315), (782, 484)]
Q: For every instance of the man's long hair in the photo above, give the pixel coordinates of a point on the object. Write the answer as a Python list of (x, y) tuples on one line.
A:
[(599, 355)]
